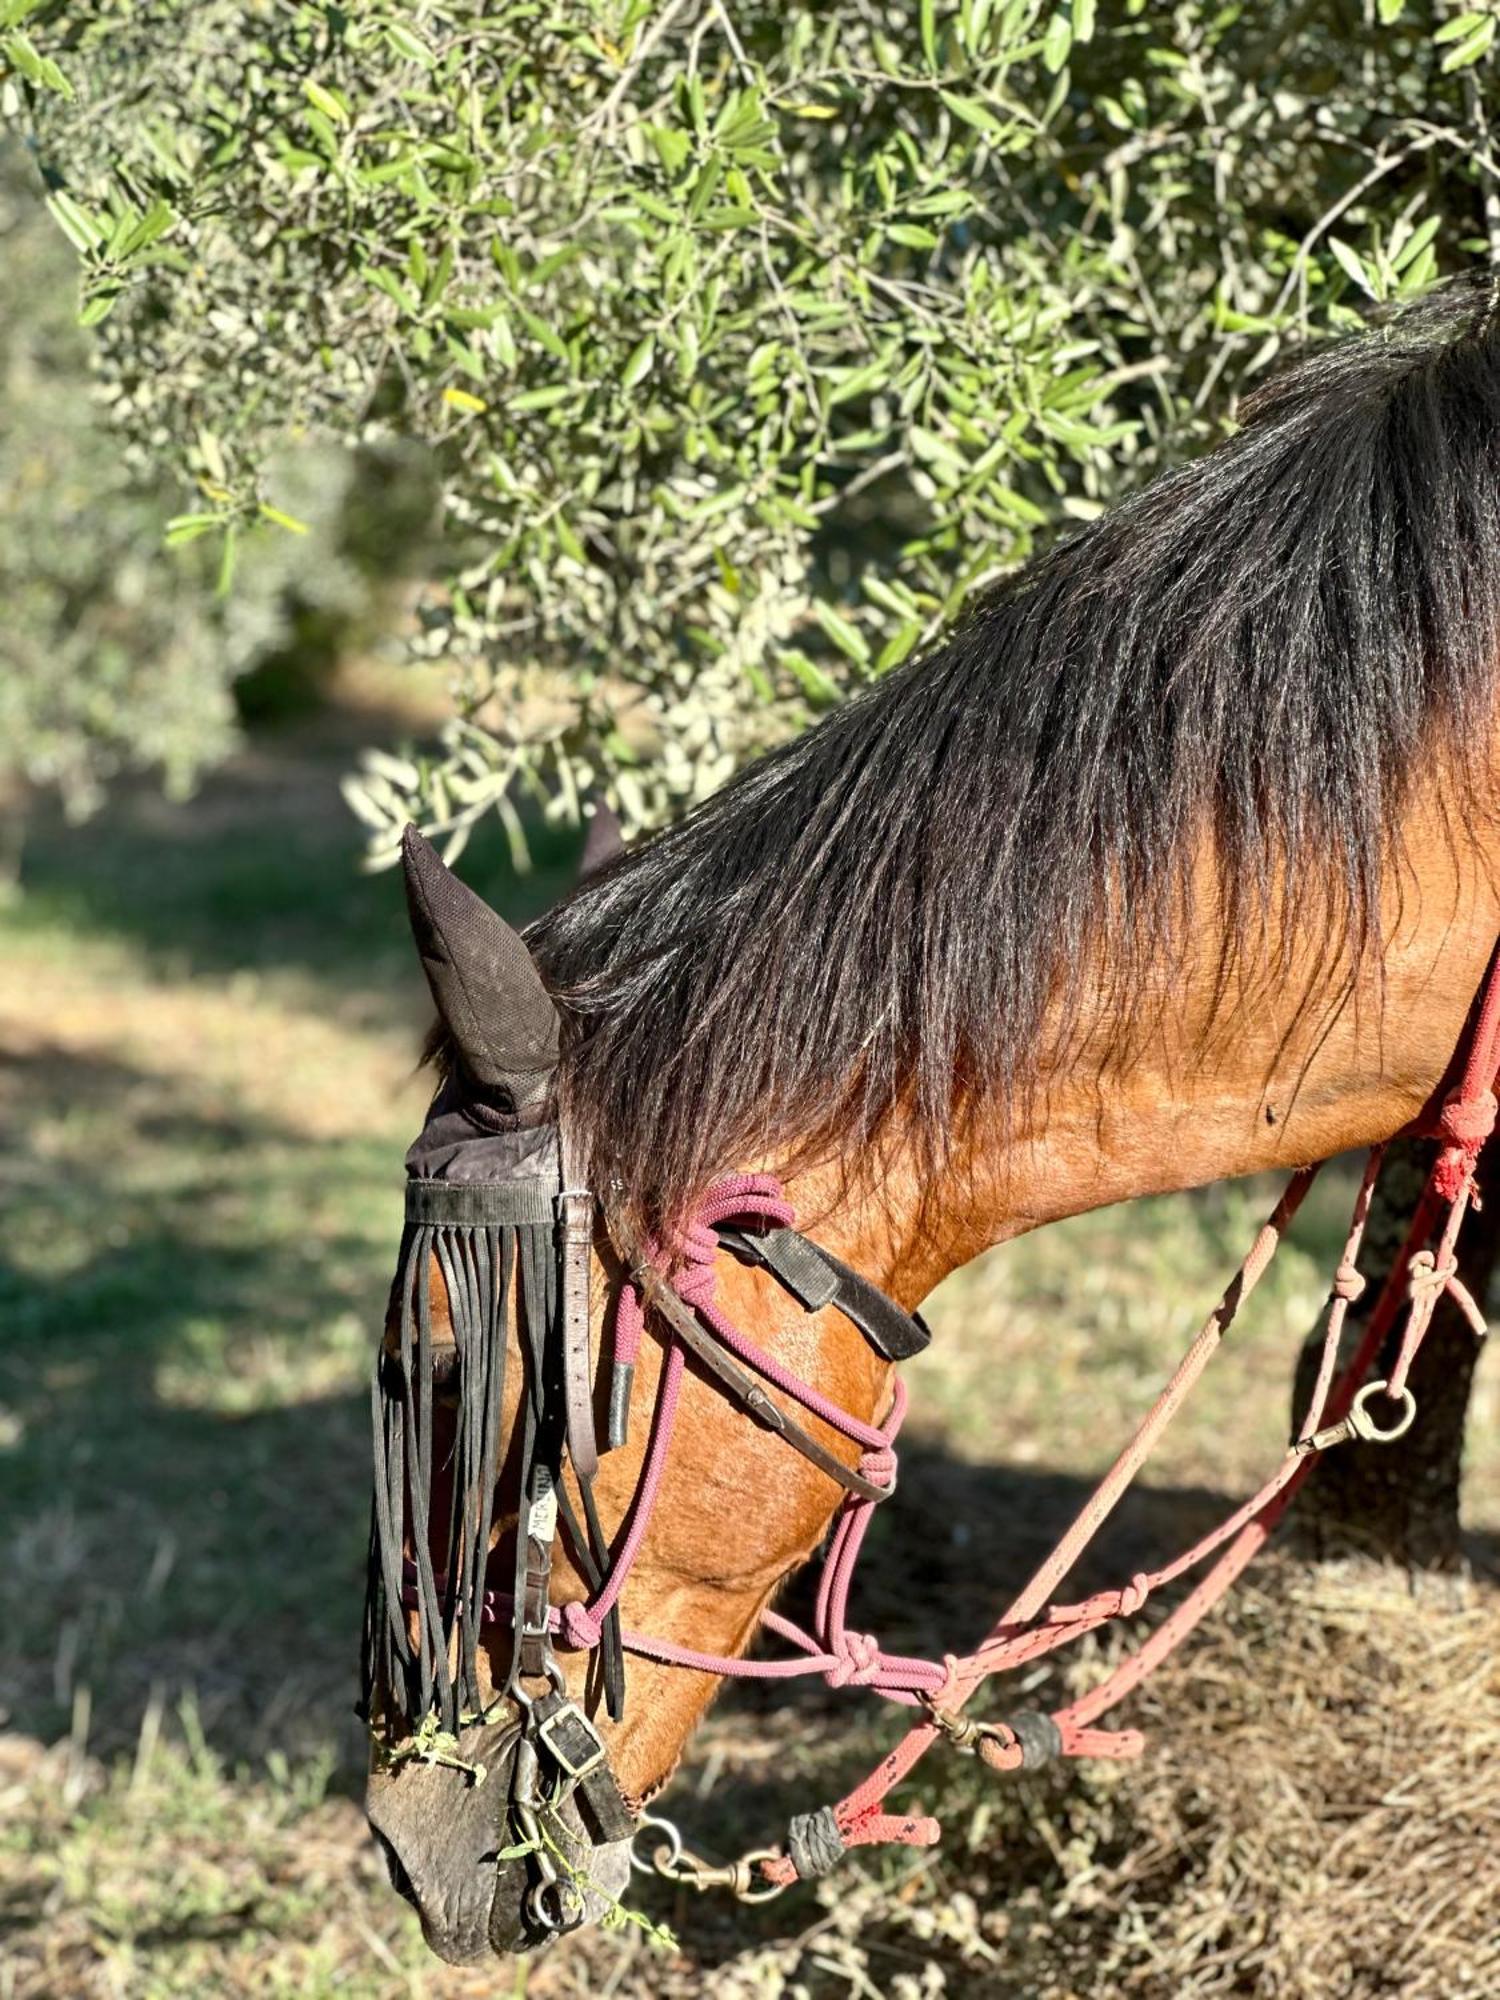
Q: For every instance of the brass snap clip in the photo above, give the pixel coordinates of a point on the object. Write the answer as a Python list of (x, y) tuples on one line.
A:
[(676, 1863), (1033, 1733), (1362, 1425)]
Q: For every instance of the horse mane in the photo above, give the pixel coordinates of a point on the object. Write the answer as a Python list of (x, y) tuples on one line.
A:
[(882, 915)]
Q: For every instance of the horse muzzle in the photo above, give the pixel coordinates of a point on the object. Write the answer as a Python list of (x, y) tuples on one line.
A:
[(488, 1875)]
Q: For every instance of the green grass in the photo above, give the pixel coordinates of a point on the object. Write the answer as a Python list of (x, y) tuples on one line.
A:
[(206, 1046)]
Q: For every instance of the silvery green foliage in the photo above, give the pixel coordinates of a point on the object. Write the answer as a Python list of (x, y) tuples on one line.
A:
[(116, 652), (107, 655), (751, 338)]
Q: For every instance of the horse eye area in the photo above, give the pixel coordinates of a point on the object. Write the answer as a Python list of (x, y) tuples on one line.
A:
[(446, 1370)]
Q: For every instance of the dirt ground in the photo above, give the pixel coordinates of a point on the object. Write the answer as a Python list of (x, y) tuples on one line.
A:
[(208, 1020)]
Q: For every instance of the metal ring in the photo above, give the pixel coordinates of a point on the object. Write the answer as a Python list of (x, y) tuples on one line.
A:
[(1364, 1425), (768, 1891), (671, 1848), (549, 1904)]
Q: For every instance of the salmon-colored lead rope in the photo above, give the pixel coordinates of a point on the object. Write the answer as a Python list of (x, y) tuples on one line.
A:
[(1034, 1625)]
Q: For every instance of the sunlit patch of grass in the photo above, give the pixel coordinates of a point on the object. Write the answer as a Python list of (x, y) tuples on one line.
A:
[(221, 1368), (175, 1874)]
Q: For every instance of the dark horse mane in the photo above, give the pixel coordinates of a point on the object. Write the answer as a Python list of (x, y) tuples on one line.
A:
[(881, 915)]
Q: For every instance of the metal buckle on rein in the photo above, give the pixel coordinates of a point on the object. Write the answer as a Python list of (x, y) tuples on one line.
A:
[(571, 1741)]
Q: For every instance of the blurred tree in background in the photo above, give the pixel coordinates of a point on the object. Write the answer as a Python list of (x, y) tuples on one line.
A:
[(748, 338), (107, 656), (120, 652)]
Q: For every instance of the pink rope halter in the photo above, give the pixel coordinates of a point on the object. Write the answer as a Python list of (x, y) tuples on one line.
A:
[(842, 1656)]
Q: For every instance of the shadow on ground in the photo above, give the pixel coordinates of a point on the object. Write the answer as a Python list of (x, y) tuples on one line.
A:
[(183, 1501)]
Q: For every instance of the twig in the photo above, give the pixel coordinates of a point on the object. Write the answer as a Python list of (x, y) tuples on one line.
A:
[(1474, 97), (1386, 163), (736, 46), (603, 117)]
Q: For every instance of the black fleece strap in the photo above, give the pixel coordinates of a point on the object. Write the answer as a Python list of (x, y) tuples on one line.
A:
[(516, 1204)]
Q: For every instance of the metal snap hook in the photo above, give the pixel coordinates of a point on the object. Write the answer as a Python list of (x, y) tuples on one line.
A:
[(744, 1885), (675, 1863), (1360, 1424)]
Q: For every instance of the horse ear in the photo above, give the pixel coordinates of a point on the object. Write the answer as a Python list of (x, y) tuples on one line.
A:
[(485, 985), (603, 841)]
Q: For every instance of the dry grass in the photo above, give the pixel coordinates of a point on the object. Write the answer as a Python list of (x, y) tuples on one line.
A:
[(1326, 1821), (1317, 1818)]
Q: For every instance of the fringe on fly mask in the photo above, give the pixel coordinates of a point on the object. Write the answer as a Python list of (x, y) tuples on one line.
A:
[(482, 1216)]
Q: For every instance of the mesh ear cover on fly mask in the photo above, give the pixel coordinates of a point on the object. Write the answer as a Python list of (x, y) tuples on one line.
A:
[(484, 983)]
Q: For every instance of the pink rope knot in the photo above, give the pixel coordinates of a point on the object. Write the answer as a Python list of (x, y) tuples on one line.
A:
[(689, 1260), (579, 1627), (879, 1467), (1134, 1594), (1121, 1603), (947, 1691), (750, 1200), (694, 1278), (1464, 1124), (1453, 1171), (1348, 1283), (858, 1662), (1425, 1276)]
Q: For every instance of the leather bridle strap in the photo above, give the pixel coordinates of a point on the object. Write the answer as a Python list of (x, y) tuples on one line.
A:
[(817, 1279), (545, 1429), (576, 1242), (658, 1296)]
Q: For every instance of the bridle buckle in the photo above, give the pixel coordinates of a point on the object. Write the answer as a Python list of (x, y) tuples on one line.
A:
[(571, 1741)]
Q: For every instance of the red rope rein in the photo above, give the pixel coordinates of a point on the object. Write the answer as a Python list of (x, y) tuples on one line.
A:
[(1036, 1623), (1032, 1625)]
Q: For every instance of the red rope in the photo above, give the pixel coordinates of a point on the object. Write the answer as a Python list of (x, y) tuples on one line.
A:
[(1032, 1626)]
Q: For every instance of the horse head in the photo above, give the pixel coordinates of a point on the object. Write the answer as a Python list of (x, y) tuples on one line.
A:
[(486, 1470)]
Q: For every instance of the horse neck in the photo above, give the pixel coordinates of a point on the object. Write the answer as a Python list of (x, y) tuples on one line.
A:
[(1293, 1052), (1285, 1059)]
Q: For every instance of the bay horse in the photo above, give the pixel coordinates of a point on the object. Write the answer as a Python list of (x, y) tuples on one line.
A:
[(1177, 861)]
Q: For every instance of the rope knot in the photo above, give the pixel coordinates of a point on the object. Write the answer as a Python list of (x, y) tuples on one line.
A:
[(1348, 1283), (879, 1466), (1464, 1123), (579, 1627), (858, 1661), (1468, 1121), (1426, 1277), (695, 1284), (946, 1693), (751, 1200), (1134, 1594)]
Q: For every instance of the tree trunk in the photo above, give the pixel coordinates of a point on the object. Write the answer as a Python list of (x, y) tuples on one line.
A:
[(1400, 1501)]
